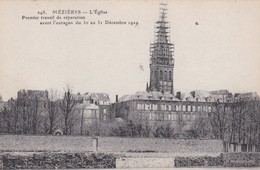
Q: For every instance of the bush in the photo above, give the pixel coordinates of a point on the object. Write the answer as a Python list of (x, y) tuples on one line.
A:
[(242, 159), (164, 131), (198, 161), (58, 160)]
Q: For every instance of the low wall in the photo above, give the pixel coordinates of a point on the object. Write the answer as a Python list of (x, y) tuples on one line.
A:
[(57, 161), (160, 145), (241, 159), (108, 144)]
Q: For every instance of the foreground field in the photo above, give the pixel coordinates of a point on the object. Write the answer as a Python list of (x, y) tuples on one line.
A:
[(20, 151), (131, 146)]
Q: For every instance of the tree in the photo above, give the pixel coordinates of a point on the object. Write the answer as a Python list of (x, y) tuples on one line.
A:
[(34, 107), (14, 110), (252, 123), (23, 105), (9, 116), (52, 109), (180, 122), (67, 107), (6, 122), (219, 119), (201, 128), (164, 131), (237, 120)]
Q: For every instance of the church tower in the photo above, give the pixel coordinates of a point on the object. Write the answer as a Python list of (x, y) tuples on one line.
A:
[(161, 52)]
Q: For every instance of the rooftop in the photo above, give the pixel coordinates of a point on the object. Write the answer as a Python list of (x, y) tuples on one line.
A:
[(195, 96)]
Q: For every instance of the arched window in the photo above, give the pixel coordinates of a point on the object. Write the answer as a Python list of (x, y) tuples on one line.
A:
[(170, 75), (161, 75), (156, 74)]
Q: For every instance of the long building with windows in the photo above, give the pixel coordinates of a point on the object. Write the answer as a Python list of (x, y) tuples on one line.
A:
[(165, 108)]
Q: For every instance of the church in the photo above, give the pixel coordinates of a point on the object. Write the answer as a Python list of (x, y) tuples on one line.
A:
[(159, 104)]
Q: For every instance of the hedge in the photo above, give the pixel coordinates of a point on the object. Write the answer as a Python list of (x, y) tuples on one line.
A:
[(198, 161), (58, 161), (240, 159), (246, 159)]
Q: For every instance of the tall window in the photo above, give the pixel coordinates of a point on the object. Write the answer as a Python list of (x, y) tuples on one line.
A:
[(165, 76), (170, 75), (147, 107), (163, 107), (161, 75), (174, 107), (140, 106), (183, 108), (177, 108), (189, 108), (156, 74), (210, 110), (194, 108), (169, 107), (169, 116), (154, 107)]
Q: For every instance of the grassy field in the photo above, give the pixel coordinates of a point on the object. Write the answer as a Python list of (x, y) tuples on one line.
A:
[(132, 147), (129, 152)]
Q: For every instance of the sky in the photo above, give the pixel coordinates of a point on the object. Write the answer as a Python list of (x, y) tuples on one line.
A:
[(221, 51)]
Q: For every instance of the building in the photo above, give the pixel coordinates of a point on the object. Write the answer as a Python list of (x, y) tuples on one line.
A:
[(100, 100), (161, 61), (41, 95), (33, 98), (87, 114), (165, 108)]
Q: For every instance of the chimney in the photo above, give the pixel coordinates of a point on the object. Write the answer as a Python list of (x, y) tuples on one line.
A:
[(178, 95), (116, 98)]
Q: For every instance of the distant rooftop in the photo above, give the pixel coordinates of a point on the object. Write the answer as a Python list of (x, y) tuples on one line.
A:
[(94, 96), (144, 95), (40, 94), (195, 96)]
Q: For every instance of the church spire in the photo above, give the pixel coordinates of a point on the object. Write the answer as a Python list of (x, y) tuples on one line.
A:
[(161, 51)]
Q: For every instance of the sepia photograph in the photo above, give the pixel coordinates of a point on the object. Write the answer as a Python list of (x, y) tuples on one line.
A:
[(118, 84)]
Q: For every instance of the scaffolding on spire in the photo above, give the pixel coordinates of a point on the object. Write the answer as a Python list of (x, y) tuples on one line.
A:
[(162, 46), (161, 52)]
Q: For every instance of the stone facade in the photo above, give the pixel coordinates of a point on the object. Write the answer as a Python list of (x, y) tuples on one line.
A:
[(180, 111), (161, 108)]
